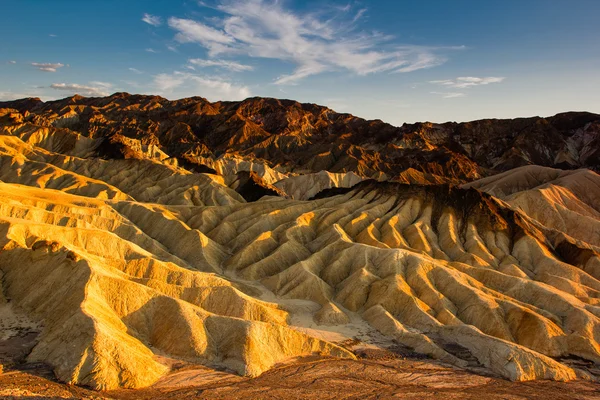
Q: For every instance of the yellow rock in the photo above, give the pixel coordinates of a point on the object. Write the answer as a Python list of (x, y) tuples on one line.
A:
[(124, 260)]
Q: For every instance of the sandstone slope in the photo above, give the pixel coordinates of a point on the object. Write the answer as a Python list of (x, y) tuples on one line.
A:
[(122, 256)]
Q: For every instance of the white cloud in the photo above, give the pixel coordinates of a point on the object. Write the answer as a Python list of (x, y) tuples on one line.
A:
[(136, 71), (449, 95), (229, 65), (11, 62), (467, 81), (151, 50), (101, 84), (185, 84), (192, 31), (48, 67), (314, 43), (52, 35), (93, 89), (168, 82), (359, 14), (152, 19)]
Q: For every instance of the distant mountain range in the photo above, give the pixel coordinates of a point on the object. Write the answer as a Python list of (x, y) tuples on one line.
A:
[(299, 138)]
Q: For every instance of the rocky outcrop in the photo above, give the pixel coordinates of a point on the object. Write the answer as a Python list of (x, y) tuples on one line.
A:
[(124, 256), (566, 202), (303, 138), (252, 187)]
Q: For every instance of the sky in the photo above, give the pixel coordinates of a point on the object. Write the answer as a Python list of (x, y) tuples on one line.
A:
[(396, 60)]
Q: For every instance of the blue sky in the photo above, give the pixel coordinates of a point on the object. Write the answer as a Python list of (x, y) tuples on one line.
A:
[(399, 61)]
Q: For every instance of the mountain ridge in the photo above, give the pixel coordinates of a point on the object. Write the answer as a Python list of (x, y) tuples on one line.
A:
[(303, 137)]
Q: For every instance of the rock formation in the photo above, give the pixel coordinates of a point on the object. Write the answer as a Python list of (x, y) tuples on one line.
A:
[(276, 137), (239, 234)]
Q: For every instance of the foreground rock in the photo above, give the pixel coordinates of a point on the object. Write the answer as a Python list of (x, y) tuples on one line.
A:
[(374, 375)]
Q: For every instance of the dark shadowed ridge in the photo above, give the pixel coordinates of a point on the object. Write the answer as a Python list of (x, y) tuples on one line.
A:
[(311, 138)]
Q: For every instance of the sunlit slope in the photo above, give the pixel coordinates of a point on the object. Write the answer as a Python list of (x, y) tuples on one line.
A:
[(417, 260), (53, 159), (125, 262), (110, 294), (565, 201)]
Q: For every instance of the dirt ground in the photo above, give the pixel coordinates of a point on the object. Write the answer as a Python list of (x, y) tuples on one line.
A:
[(375, 375)]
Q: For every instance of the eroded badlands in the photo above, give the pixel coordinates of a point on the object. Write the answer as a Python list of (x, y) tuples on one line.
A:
[(120, 264)]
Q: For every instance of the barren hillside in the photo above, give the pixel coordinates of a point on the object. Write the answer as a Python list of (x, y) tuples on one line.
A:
[(138, 233)]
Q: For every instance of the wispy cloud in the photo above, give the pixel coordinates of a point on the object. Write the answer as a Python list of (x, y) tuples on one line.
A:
[(359, 14), (229, 65), (314, 42), (192, 31), (151, 50), (136, 71), (11, 62), (152, 19), (47, 67), (449, 95), (168, 82), (93, 89), (468, 81), (185, 84), (53, 35)]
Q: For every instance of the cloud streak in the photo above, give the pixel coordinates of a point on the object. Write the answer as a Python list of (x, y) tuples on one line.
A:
[(93, 89), (47, 67), (314, 43), (467, 81), (152, 19), (184, 84), (228, 65), (449, 95)]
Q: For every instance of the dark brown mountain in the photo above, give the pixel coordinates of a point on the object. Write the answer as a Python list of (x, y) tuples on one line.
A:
[(305, 138)]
